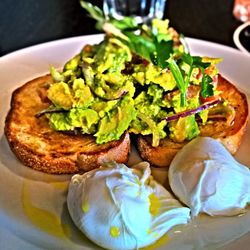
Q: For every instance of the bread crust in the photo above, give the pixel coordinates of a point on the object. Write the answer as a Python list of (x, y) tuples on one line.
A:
[(39, 147), (229, 136)]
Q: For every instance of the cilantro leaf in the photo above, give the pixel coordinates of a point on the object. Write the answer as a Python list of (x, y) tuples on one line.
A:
[(197, 61), (163, 51)]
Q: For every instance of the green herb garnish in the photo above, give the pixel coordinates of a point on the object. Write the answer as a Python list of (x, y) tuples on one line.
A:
[(155, 46)]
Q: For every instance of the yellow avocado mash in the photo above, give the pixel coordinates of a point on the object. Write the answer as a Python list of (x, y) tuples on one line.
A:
[(115, 86)]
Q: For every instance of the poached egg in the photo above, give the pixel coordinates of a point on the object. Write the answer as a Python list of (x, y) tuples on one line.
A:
[(123, 208), (206, 177)]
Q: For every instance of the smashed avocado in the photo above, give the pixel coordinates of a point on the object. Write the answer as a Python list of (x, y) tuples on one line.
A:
[(115, 86)]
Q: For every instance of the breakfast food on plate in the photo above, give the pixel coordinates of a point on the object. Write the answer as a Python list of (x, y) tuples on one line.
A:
[(139, 80), (42, 148), (205, 177), (144, 83), (226, 122), (123, 208)]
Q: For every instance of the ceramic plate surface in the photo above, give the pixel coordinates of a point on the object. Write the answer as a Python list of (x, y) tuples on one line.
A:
[(33, 209)]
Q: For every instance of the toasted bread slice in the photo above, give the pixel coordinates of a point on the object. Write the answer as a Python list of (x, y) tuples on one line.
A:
[(229, 135), (38, 146)]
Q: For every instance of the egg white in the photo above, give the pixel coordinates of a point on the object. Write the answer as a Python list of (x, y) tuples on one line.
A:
[(123, 208), (206, 177)]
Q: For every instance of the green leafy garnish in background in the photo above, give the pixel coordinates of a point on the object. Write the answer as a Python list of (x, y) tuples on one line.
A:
[(154, 46), (95, 12)]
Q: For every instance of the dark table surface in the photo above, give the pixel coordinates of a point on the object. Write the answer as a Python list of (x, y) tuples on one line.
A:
[(29, 22)]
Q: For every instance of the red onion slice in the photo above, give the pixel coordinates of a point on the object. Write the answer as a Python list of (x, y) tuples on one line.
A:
[(192, 111)]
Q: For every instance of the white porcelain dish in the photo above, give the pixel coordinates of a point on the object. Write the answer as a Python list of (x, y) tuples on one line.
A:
[(33, 211)]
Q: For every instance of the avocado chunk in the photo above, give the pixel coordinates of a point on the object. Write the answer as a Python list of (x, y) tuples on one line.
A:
[(60, 94), (185, 128), (113, 125)]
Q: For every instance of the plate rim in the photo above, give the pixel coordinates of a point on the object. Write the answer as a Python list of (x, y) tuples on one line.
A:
[(73, 39), (100, 35)]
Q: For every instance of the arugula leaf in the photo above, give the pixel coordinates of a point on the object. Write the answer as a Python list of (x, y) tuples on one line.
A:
[(206, 86), (127, 23), (181, 84), (155, 47), (196, 61), (150, 49), (140, 45), (95, 12), (188, 59)]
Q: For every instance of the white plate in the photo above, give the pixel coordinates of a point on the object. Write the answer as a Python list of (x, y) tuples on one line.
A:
[(33, 212)]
